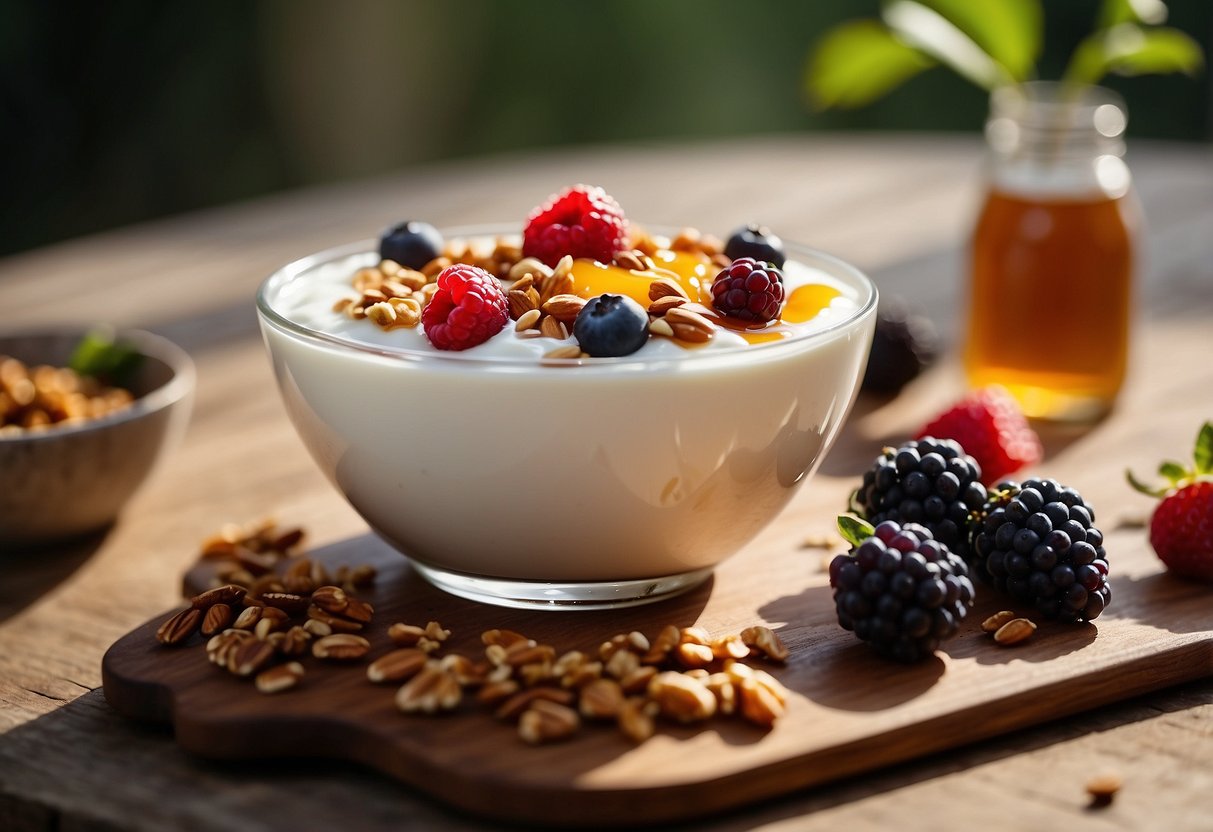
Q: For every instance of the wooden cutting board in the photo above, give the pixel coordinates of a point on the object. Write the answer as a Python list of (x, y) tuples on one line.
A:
[(850, 711)]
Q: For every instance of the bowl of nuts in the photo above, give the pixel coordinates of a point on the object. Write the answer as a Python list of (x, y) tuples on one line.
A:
[(84, 417)]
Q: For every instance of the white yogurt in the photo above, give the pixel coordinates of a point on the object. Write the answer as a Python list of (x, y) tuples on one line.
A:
[(311, 302)]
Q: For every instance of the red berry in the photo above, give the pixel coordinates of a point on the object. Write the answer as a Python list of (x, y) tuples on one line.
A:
[(748, 291), (1181, 531), (581, 222), (468, 309), (992, 429)]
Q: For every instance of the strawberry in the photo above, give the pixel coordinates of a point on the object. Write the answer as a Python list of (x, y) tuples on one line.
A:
[(992, 429), (1181, 529)]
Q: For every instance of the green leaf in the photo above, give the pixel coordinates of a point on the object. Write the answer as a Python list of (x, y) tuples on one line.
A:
[(1132, 11), (1138, 485), (1172, 471), (1128, 49), (1204, 449), (104, 358), (854, 530), (1009, 31), (933, 34), (857, 62)]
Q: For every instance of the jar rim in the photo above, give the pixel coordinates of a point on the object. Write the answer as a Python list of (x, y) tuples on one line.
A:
[(1061, 106)]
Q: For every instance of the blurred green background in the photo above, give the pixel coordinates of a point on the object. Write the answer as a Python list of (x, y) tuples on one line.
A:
[(117, 112)]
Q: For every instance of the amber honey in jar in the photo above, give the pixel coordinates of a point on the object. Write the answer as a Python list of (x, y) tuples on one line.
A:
[(1050, 295)]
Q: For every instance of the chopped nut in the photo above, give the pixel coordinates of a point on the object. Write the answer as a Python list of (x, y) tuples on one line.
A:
[(551, 327), (179, 627), (636, 718), (496, 692), (249, 657), (286, 601), (666, 287), (217, 618), (997, 620), (689, 326), (664, 304), (729, 647), (722, 687), (430, 691), (1103, 788), (317, 628), (759, 704), (765, 641), (547, 721), (681, 697), (397, 665), (1015, 631), (280, 678), (229, 594), (513, 707), (694, 655), (564, 308), (527, 320), (294, 642), (601, 699), (341, 647), (669, 638), (638, 680)]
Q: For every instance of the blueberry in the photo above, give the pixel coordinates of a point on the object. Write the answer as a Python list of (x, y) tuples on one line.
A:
[(412, 244), (755, 241), (611, 325)]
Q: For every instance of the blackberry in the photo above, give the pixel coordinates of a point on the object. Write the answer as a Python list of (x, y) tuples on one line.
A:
[(904, 344), (1038, 543), (901, 591), (929, 481)]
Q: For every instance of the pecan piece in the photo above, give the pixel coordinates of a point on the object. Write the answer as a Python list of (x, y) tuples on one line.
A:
[(179, 627)]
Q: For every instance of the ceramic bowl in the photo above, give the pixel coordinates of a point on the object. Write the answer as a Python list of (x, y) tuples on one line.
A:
[(68, 480)]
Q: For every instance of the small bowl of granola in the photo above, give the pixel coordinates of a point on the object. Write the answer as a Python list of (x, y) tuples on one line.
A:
[(574, 412), (84, 417)]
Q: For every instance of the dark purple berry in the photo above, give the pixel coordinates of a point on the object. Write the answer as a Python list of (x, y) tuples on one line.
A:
[(901, 591), (757, 242), (412, 244)]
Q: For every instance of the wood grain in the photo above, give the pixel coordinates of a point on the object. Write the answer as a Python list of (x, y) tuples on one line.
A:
[(899, 207), (851, 712)]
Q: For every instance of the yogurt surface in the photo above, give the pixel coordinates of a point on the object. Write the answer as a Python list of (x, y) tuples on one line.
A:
[(310, 298)]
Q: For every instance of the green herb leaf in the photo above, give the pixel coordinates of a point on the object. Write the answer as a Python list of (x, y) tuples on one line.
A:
[(1132, 11), (933, 34), (1009, 31), (1138, 485), (1128, 49), (108, 360), (1204, 449), (854, 530), (1172, 471), (858, 62)]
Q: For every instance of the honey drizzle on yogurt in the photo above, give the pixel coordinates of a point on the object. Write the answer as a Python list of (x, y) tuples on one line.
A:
[(693, 273)]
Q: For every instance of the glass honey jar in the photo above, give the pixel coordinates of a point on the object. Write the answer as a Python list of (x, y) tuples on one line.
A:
[(1052, 258)]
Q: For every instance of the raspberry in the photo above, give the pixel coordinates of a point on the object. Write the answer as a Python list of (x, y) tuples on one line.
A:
[(1181, 529), (581, 222), (748, 291), (1038, 542), (992, 429), (468, 309), (900, 590), (928, 481)]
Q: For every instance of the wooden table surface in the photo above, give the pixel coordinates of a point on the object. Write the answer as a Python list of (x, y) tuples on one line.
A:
[(898, 207)]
